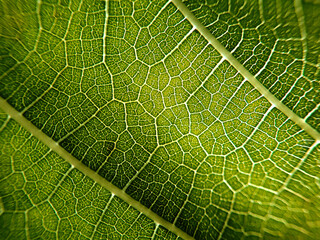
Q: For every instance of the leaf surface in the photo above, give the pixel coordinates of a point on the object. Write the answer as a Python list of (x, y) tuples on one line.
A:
[(207, 122)]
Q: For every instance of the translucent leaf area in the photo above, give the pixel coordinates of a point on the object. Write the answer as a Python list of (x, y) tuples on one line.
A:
[(135, 91), (43, 197), (278, 41)]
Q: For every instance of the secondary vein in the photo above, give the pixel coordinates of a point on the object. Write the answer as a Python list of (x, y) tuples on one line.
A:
[(244, 72), (54, 146)]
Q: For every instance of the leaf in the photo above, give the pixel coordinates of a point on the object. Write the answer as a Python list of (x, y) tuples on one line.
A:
[(159, 119)]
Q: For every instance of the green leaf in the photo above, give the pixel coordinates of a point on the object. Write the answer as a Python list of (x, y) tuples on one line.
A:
[(159, 119)]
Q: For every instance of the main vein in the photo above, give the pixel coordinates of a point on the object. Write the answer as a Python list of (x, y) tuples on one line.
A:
[(54, 146), (245, 73)]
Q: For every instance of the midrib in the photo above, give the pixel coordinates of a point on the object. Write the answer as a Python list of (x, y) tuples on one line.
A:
[(244, 72), (54, 146)]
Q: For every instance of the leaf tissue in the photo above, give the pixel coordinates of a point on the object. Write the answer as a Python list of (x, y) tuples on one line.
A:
[(191, 119)]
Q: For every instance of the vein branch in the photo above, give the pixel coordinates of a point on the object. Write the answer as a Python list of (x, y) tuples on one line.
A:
[(54, 146), (244, 72)]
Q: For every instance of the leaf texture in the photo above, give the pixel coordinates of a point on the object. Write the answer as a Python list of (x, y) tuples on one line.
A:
[(277, 41), (44, 197), (137, 92)]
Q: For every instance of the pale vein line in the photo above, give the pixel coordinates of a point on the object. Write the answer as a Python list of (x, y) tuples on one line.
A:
[(54, 146), (102, 215), (155, 232), (303, 31), (245, 73), (105, 30)]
